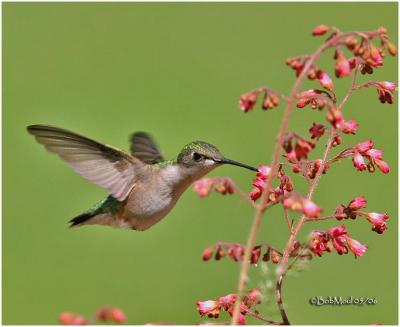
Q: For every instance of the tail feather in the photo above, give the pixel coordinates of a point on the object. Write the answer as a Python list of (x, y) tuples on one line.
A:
[(82, 218), (101, 213)]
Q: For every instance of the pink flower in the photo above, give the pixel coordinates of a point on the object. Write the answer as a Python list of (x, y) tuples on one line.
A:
[(241, 318), (117, 316), (337, 140), (374, 154), (340, 212), (325, 80), (293, 202), (263, 172), (335, 117), (66, 318), (253, 297), (358, 203), (349, 127), (385, 96), (270, 101), (301, 103), (389, 86), (247, 101), (342, 67), (378, 220), (297, 202), (302, 148), (374, 59), (209, 308), (382, 165), (313, 168), (310, 209), (356, 247), (338, 238), (236, 252), (69, 318), (207, 253), (227, 301), (79, 320), (223, 185), (363, 147), (337, 231), (317, 130), (203, 186), (391, 48), (359, 162), (255, 194), (306, 97), (338, 235), (255, 254), (259, 183), (320, 30), (317, 242)]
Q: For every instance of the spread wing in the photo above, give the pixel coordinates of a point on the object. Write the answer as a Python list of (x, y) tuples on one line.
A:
[(101, 164), (144, 148)]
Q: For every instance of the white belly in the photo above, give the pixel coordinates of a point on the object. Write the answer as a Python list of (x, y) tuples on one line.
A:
[(145, 210)]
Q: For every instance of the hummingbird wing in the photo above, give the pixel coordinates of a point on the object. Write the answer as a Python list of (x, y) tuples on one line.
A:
[(101, 164), (145, 148)]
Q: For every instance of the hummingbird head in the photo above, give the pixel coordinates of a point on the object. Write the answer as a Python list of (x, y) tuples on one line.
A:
[(205, 157)]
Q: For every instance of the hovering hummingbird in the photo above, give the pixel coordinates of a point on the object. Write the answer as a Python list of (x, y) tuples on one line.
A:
[(143, 186)]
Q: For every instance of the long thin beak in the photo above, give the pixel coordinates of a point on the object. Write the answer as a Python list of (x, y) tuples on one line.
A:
[(235, 163)]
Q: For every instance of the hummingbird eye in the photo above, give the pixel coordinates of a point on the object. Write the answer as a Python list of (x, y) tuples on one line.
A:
[(196, 156)]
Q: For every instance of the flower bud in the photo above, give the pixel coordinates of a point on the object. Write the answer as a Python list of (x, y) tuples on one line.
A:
[(359, 162), (207, 253), (392, 48), (358, 203), (320, 30), (117, 316)]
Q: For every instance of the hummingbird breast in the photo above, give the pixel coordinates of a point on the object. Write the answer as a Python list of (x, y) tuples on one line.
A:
[(154, 196)]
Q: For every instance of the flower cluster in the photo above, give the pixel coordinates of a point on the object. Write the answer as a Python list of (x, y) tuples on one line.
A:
[(298, 202), (296, 147), (335, 238), (69, 318), (354, 52), (314, 98), (378, 220), (298, 63), (385, 91), (259, 183), (235, 252), (113, 315), (363, 49), (248, 100), (212, 308), (318, 99), (349, 127), (223, 185), (365, 150), (312, 168)]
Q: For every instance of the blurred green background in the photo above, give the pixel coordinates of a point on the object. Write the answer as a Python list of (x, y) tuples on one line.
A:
[(176, 71)]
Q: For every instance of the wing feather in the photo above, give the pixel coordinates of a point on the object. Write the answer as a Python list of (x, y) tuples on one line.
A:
[(145, 148), (101, 164)]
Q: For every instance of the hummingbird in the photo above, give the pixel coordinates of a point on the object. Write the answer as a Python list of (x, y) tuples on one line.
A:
[(143, 187)]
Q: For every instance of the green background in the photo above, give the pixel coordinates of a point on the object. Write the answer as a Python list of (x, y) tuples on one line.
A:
[(176, 71)]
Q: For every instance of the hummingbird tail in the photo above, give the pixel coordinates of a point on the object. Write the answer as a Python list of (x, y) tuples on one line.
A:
[(81, 219), (101, 213)]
